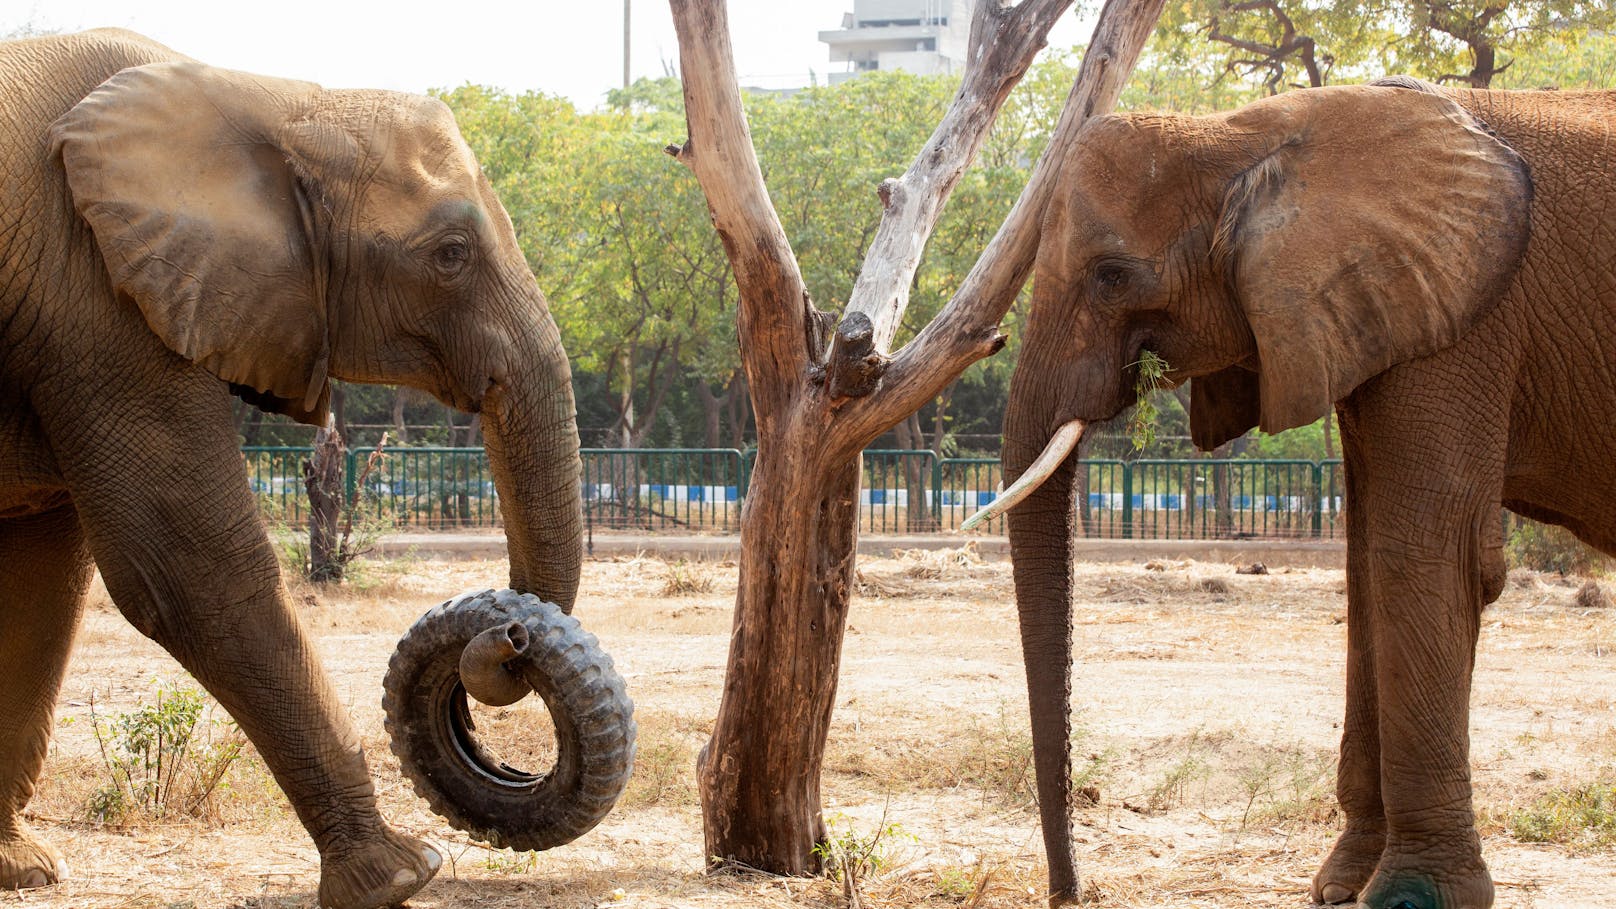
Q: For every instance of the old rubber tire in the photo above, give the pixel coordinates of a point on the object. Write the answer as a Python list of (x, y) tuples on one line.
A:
[(433, 735)]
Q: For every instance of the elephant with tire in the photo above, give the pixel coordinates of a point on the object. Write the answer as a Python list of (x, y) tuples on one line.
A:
[(174, 237), (1439, 266)]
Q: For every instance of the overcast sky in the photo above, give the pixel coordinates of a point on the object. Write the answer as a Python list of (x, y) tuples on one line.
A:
[(566, 47)]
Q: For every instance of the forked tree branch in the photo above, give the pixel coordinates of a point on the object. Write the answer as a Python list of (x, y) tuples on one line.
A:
[(967, 328), (775, 317), (1003, 41)]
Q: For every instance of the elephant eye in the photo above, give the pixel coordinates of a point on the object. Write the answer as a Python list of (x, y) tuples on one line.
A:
[(452, 254), (1110, 277)]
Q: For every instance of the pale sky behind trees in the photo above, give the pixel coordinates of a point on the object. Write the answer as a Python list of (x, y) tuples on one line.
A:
[(565, 47)]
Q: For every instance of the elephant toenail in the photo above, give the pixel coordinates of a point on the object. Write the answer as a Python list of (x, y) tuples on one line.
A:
[(34, 878), (1335, 894), (434, 861), (403, 877)]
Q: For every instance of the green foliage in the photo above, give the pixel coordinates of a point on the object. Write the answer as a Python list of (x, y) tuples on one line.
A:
[(1233, 50), (1152, 373), (163, 761), (849, 856), (1304, 443), (1546, 547), (1574, 59), (1582, 817)]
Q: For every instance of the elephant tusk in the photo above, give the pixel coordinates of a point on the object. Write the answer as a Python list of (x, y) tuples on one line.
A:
[(482, 665), (1060, 445)]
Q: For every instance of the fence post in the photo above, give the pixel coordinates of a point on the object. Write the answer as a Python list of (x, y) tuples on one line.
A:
[(1318, 500), (1127, 500), (350, 479), (937, 491)]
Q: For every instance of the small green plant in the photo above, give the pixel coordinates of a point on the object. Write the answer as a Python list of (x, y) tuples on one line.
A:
[(506, 861), (1173, 788), (1545, 547), (1287, 785), (954, 883), (163, 760), (1582, 817), (850, 857), (1152, 375)]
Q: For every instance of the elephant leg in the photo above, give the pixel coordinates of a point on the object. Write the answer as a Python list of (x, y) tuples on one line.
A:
[(1430, 492), (183, 551), (44, 571), (1357, 851)]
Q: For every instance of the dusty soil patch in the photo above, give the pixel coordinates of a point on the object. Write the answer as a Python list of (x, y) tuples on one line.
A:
[(1209, 702)]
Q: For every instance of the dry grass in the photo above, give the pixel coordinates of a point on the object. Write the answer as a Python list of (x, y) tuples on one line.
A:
[(1208, 705)]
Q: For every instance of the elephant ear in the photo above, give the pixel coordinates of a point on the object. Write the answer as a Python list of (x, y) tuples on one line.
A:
[(182, 173), (1223, 406), (1375, 226)]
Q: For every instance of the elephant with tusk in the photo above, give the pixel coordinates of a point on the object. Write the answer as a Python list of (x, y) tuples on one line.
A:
[(1436, 266)]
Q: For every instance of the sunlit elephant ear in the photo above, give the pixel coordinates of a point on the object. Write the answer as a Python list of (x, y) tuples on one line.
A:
[(1375, 227), (180, 171)]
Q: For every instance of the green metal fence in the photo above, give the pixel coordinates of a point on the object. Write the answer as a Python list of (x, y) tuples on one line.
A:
[(903, 491)]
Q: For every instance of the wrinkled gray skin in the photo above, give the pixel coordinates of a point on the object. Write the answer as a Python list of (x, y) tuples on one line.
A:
[(171, 234), (1438, 266)]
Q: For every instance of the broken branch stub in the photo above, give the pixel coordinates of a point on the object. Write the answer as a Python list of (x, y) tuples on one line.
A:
[(853, 368)]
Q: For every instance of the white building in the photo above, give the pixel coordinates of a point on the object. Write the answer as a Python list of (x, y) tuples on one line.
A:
[(917, 36)]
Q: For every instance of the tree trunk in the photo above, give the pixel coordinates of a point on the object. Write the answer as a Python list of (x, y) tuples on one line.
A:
[(759, 775), (939, 421), (740, 410), (711, 407), (916, 474), (1222, 510), (339, 408), (401, 431), (322, 476)]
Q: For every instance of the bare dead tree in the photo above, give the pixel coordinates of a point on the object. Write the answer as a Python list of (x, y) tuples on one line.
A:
[(822, 390), (322, 477)]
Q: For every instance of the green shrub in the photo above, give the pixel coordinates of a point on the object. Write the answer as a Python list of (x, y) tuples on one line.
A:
[(164, 760), (1546, 547), (1580, 817)]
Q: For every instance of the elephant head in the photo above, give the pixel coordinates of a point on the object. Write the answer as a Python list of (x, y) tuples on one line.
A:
[(1276, 257), (280, 235)]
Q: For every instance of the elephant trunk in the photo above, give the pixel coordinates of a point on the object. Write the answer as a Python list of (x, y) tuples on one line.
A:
[(531, 435), (1040, 545), (482, 665)]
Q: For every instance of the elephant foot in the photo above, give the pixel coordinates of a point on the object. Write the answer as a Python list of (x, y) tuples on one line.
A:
[(378, 874), (27, 861), (1429, 880), (1350, 866)]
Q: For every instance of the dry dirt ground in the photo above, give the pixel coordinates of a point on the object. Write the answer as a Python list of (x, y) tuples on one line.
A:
[(1208, 716)]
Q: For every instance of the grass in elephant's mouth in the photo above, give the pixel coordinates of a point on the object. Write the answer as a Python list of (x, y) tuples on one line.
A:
[(1207, 718)]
